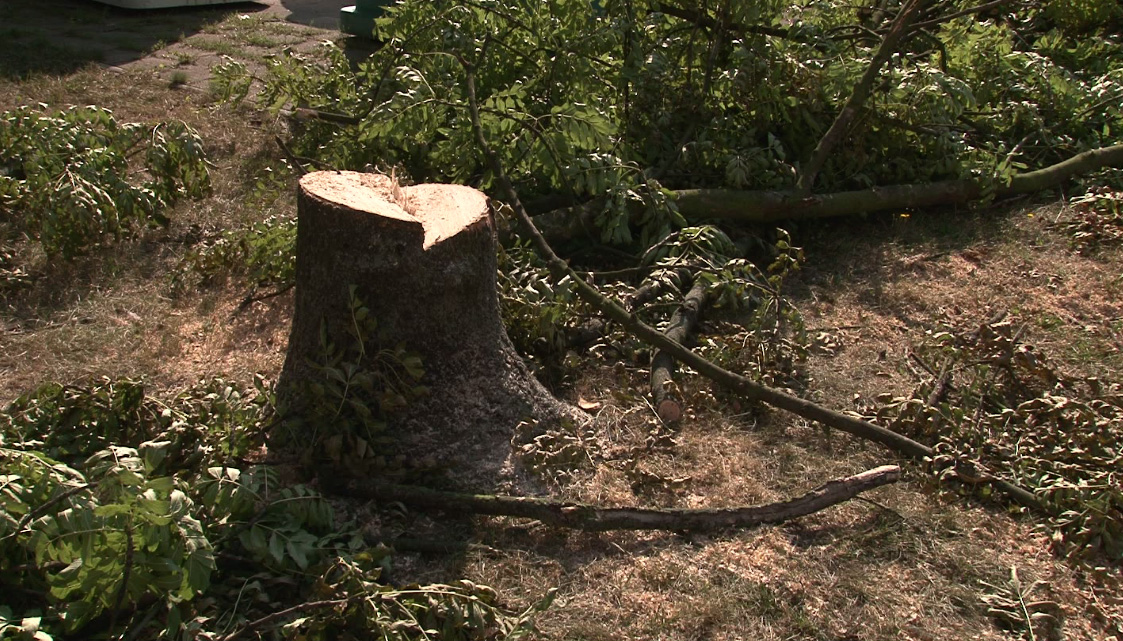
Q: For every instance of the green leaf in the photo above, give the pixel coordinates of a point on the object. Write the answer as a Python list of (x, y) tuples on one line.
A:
[(298, 553), (277, 547)]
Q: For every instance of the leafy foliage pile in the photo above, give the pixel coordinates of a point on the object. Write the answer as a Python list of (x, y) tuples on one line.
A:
[(73, 177), (1096, 220), (13, 275), (994, 399), (617, 101), (120, 513), (545, 318), (264, 253)]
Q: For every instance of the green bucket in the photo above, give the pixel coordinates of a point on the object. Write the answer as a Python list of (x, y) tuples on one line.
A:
[(358, 19)]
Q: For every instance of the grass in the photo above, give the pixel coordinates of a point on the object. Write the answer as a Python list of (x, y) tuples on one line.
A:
[(909, 562), (183, 58), (254, 39), (177, 79), (222, 47)]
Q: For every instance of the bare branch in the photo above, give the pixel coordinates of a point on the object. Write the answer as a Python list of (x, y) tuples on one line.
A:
[(897, 32), (597, 519)]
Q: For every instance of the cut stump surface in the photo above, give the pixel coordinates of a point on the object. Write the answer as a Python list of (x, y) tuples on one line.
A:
[(423, 260)]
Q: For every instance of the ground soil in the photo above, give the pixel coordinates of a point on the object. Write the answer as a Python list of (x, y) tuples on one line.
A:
[(908, 562)]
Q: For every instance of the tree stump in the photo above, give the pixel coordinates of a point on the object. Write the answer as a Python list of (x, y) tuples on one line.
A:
[(423, 260)]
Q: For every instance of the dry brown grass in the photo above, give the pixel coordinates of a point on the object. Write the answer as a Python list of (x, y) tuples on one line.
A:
[(906, 563)]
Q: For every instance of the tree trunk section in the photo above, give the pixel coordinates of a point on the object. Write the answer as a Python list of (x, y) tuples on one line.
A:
[(664, 393), (423, 260)]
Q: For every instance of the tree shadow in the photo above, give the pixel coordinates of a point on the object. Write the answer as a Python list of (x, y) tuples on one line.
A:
[(62, 36), (869, 252)]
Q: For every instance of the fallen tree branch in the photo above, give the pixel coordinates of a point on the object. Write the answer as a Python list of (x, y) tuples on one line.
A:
[(668, 404), (772, 206), (730, 380), (596, 519), (897, 32), (677, 278)]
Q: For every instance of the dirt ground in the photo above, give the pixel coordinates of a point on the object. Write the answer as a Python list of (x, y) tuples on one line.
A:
[(907, 562)]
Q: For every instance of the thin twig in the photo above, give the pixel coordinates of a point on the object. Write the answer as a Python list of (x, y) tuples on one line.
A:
[(300, 161), (958, 14), (250, 299), (39, 511), (270, 619)]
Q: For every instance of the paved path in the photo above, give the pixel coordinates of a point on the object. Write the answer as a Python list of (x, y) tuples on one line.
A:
[(314, 13), (178, 45)]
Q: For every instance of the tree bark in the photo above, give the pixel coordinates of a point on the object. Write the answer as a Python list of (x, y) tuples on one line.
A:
[(597, 519), (423, 260)]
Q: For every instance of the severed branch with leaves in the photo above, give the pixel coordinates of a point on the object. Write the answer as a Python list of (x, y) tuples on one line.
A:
[(732, 381)]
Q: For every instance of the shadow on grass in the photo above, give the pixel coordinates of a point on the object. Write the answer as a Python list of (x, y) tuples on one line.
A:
[(62, 36)]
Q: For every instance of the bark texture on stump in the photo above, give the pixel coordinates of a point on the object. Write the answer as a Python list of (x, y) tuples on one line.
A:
[(423, 260)]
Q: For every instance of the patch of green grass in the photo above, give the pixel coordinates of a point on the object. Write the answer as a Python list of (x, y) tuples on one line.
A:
[(256, 39), (178, 79), (221, 47), (282, 28), (1050, 321), (183, 58)]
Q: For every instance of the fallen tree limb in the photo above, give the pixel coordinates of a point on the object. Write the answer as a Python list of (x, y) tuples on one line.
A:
[(748, 388), (771, 206), (597, 519), (668, 404), (897, 32), (679, 277)]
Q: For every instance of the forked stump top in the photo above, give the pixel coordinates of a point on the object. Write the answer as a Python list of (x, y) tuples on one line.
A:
[(442, 211)]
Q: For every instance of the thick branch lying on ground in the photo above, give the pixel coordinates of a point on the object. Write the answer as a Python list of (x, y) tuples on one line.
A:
[(649, 291), (771, 206), (858, 96), (667, 403), (732, 381), (596, 519)]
